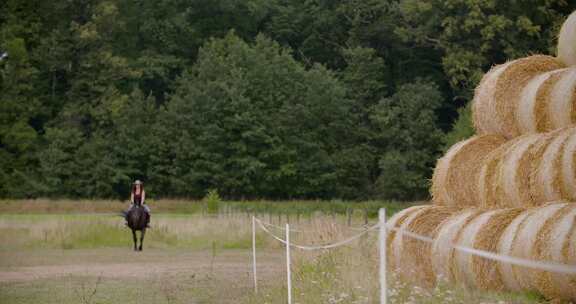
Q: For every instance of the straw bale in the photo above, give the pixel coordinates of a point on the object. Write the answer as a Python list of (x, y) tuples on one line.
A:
[(546, 177), (521, 244), (455, 175), (416, 260), (399, 261), (513, 176), (396, 221), (498, 95), (568, 168), (440, 175), (532, 114), (481, 233), (487, 176), (561, 100), (567, 41), (483, 104), (442, 250), (505, 246), (557, 242), (525, 241)]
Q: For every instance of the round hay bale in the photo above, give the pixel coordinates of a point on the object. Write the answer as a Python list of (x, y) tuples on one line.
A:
[(524, 172), (519, 240), (567, 41), (397, 254), (438, 191), (455, 175), (483, 104), (480, 233), (533, 115), (413, 257), (487, 176), (396, 221), (557, 243), (568, 168), (561, 100), (442, 250), (505, 246), (528, 234), (546, 180), (513, 177), (497, 97)]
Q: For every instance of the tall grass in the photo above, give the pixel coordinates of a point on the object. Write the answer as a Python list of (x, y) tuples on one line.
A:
[(212, 204), (101, 231)]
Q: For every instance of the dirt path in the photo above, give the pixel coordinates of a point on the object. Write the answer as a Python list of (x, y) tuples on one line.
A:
[(202, 277), (120, 263)]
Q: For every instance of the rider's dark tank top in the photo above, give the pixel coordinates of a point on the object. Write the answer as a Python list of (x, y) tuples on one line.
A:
[(138, 197)]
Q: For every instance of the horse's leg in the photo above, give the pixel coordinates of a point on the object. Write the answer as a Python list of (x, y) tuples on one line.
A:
[(134, 239), (142, 233)]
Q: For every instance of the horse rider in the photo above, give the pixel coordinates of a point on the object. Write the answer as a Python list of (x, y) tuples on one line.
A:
[(138, 195)]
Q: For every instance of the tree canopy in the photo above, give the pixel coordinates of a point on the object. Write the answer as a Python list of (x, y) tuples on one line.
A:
[(257, 99)]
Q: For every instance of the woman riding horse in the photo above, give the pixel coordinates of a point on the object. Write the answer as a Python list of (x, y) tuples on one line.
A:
[(138, 196), (138, 215)]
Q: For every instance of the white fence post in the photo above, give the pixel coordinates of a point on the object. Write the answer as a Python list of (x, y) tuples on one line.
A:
[(254, 255), (288, 271), (382, 249)]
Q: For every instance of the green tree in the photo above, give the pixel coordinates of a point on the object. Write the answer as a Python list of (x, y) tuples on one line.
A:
[(19, 108), (407, 126), (251, 121), (473, 35), (365, 80), (462, 128)]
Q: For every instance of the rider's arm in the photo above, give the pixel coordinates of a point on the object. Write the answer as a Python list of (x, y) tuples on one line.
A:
[(143, 196), (131, 197)]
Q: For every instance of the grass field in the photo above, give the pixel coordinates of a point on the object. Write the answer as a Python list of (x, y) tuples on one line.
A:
[(58, 256), (368, 209)]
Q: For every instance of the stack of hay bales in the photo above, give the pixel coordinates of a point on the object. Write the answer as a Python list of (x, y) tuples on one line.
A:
[(526, 171), (509, 189), (546, 233)]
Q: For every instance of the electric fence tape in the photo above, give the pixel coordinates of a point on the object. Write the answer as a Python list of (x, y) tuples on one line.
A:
[(539, 265), (320, 247)]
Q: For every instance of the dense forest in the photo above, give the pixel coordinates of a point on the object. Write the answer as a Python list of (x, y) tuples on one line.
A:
[(276, 99)]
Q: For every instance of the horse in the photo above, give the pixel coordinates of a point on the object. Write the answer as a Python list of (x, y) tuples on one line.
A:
[(136, 220)]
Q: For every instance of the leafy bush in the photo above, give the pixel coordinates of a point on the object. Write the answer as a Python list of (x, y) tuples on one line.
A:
[(212, 200), (461, 129)]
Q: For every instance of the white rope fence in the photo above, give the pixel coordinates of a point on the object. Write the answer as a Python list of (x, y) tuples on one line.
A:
[(319, 247), (361, 228), (280, 228), (382, 236)]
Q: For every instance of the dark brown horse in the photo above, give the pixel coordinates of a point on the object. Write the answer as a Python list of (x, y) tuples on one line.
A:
[(136, 219)]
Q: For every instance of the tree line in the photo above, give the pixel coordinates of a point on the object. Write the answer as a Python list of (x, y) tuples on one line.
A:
[(277, 99)]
